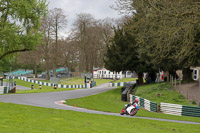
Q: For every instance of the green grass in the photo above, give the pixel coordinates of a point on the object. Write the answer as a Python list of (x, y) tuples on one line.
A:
[(161, 92), (72, 81), (36, 86), (28, 119), (80, 81), (47, 81), (110, 101), (125, 80), (42, 90), (102, 81)]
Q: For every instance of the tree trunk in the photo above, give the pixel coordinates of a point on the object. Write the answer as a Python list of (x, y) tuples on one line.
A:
[(48, 76), (140, 78), (187, 75), (36, 75), (54, 70)]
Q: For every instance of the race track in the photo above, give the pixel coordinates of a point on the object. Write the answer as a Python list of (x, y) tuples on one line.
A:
[(54, 100)]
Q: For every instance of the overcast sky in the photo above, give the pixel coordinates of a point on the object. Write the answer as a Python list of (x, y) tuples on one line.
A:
[(99, 9)]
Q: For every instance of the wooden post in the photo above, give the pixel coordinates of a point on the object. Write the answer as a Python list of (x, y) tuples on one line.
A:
[(187, 92), (168, 77), (175, 83), (199, 86), (158, 108), (179, 85)]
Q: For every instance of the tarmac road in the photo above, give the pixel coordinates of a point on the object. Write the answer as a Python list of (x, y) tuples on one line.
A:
[(55, 100)]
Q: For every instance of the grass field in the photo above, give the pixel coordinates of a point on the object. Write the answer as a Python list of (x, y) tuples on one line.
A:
[(72, 81), (36, 86), (50, 88), (125, 80), (75, 81), (28, 119), (110, 101), (162, 92), (80, 81)]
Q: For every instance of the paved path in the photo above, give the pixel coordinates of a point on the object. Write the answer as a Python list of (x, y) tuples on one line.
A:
[(54, 100)]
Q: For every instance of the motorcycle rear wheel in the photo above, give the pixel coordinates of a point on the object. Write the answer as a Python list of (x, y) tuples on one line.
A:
[(122, 111)]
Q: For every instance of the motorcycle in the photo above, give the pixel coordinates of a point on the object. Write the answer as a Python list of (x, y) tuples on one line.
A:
[(130, 109)]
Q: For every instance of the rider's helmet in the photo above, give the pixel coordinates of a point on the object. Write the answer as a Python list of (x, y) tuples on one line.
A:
[(136, 101)]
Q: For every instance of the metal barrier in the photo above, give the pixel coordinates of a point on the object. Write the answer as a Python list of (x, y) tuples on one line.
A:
[(167, 108)]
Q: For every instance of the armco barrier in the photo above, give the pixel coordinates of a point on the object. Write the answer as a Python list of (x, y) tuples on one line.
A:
[(120, 84), (172, 109), (191, 111), (144, 103), (3, 89), (181, 110), (50, 84)]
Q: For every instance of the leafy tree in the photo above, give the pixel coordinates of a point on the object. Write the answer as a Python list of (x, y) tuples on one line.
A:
[(167, 32), (123, 54), (19, 24)]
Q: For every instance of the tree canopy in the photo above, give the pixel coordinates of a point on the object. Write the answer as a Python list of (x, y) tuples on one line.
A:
[(166, 33), (19, 25)]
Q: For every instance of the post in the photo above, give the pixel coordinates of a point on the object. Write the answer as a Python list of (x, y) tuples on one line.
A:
[(187, 92), (179, 84), (168, 77), (175, 83), (199, 87)]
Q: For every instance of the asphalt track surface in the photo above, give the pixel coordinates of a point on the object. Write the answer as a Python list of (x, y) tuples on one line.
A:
[(55, 100)]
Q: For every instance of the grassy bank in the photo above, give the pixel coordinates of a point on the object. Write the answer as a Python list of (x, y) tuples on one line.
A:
[(27, 119), (161, 92), (110, 101), (36, 87), (125, 80)]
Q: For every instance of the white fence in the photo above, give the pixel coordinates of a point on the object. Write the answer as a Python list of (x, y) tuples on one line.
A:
[(172, 109)]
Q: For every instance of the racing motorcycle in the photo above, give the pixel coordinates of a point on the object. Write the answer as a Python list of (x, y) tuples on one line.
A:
[(130, 109)]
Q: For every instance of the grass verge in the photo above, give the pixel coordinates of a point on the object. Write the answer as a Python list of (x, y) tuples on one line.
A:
[(161, 92), (110, 101), (72, 81), (125, 80), (28, 119), (36, 86)]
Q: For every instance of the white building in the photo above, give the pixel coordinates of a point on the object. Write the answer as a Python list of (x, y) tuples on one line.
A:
[(107, 74)]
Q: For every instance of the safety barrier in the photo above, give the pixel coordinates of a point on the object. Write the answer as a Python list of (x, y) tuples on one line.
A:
[(181, 110), (167, 108), (172, 109), (3, 90), (51, 84), (144, 103), (120, 84)]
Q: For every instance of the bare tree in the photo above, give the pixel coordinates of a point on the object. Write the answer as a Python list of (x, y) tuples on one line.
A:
[(82, 24), (47, 47), (124, 7), (92, 37), (58, 21), (32, 58)]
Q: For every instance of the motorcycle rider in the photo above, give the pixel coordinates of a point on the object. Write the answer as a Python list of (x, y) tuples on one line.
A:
[(133, 103)]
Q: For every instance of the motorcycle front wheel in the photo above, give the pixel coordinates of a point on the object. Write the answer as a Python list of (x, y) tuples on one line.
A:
[(133, 112)]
